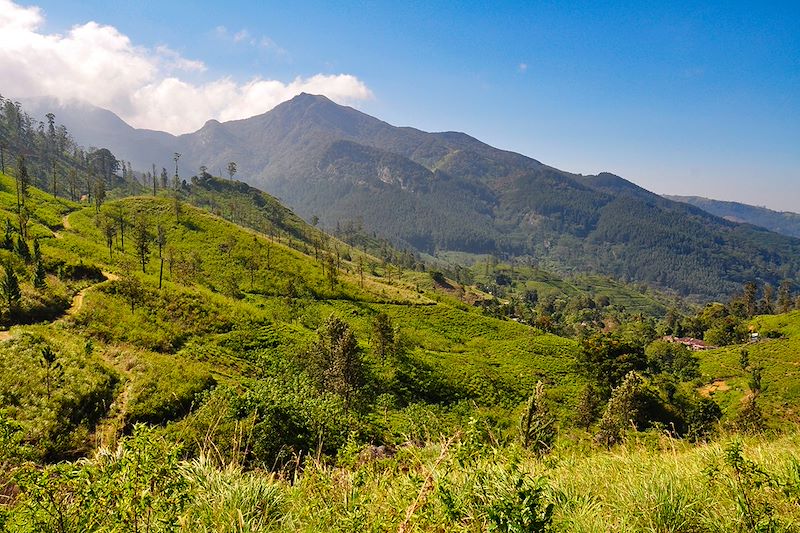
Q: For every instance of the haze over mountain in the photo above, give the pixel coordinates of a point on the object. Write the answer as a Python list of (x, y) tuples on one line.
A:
[(783, 222), (450, 192)]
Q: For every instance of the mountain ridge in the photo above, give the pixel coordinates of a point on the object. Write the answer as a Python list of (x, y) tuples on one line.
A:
[(448, 191), (783, 222)]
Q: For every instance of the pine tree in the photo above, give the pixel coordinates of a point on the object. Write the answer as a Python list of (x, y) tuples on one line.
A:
[(382, 335), (8, 241), (9, 285), (336, 360), (22, 249), (624, 410), (38, 270)]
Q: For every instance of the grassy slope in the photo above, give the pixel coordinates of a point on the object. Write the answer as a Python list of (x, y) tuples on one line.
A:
[(494, 363), (118, 367), (780, 359), (626, 296)]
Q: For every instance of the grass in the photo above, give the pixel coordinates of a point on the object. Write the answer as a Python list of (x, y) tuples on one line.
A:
[(456, 484), (242, 439), (780, 360)]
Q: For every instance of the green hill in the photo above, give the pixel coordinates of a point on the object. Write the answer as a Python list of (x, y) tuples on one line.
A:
[(193, 367), (239, 308), (449, 192), (775, 353)]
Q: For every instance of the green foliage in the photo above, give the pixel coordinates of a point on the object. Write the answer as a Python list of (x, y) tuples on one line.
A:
[(750, 418), (537, 427), (607, 359), (336, 360), (632, 405), (54, 391), (517, 504), (139, 487), (9, 286), (672, 358)]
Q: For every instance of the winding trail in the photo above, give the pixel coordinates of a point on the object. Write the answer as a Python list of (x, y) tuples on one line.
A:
[(77, 299)]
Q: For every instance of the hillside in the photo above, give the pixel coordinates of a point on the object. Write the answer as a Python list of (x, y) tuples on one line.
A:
[(276, 378), (783, 222), (439, 192), (238, 309)]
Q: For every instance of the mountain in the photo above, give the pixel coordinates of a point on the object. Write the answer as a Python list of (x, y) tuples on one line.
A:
[(451, 192), (783, 222), (92, 126)]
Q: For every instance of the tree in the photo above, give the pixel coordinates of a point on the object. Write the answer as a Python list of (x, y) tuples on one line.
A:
[(177, 208), (55, 180), (382, 335), (22, 249), (118, 216), (785, 296), (231, 169), (38, 270), (131, 288), (109, 230), (98, 191), (537, 426), (8, 240), (142, 238), (755, 379), (22, 181), (588, 403), (161, 240), (607, 359), (331, 270), (767, 306), (72, 182), (672, 358), (335, 360), (625, 409), (175, 158), (749, 298), (251, 260), (744, 358), (50, 364), (750, 418), (9, 286)]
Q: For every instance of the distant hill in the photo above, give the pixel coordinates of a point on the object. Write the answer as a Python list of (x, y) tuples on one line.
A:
[(448, 191), (783, 222)]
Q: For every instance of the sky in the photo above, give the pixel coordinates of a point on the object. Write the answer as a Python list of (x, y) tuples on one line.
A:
[(699, 98)]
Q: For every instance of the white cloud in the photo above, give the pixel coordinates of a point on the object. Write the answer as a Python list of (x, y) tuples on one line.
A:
[(241, 35), (100, 65), (522, 68)]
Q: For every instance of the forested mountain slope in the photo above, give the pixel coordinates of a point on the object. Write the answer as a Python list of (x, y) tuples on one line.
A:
[(783, 222), (450, 192)]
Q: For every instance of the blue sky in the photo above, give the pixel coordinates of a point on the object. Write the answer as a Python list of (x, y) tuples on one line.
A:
[(679, 98)]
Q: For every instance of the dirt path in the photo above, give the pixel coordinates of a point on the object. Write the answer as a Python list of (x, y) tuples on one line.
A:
[(75, 306), (112, 426)]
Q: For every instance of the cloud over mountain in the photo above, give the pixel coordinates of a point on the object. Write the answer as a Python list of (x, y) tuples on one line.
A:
[(145, 86)]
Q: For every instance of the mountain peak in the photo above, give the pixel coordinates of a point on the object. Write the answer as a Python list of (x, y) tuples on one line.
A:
[(308, 99)]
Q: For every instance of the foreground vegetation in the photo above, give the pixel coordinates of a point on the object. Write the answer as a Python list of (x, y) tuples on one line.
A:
[(652, 483), (166, 369)]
